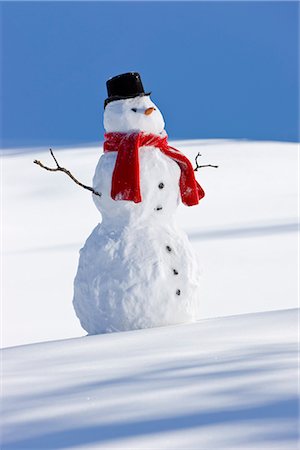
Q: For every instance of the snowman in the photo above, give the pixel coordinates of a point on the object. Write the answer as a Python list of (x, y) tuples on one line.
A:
[(137, 269)]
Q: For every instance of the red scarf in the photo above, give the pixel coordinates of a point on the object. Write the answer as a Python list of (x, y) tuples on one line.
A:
[(126, 174)]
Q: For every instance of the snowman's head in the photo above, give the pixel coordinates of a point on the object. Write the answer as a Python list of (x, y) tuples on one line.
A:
[(133, 115)]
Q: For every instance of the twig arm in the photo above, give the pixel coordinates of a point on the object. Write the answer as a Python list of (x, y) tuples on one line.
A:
[(205, 165), (58, 168)]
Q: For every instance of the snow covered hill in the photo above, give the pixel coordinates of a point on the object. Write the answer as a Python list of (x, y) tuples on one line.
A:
[(245, 231), (221, 383), (228, 383)]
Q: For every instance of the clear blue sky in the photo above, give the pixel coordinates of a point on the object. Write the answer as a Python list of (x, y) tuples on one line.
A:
[(215, 69)]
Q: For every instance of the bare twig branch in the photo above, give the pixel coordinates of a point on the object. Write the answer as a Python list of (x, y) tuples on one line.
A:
[(52, 154), (58, 168), (205, 165)]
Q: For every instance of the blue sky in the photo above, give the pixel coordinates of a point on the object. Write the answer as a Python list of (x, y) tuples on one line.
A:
[(215, 69)]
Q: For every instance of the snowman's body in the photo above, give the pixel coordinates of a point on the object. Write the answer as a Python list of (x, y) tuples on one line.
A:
[(137, 269)]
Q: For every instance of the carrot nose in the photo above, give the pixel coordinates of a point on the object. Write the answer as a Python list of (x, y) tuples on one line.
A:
[(149, 111)]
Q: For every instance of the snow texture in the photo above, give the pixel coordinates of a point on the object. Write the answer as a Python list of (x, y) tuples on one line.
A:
[(228, 383), (137, 268), (224, 383), (126, 116), (246, 225)]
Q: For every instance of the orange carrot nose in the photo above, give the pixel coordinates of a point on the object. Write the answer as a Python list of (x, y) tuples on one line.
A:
[(149, 111)]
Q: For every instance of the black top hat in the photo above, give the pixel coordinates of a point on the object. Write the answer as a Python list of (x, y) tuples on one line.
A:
[(126, 85)]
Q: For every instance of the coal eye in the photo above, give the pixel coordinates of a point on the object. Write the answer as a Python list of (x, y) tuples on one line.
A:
[(134, 109)]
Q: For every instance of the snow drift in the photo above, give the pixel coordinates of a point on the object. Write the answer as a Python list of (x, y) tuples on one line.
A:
[(244, 232), (221, 383)]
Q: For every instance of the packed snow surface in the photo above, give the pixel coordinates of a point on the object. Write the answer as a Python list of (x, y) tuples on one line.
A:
[(221, 383), (228, 383), (244, 232)]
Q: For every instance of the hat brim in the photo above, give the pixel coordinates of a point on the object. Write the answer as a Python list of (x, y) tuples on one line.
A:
[(117, 97)]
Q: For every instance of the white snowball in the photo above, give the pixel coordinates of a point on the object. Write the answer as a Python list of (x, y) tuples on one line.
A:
[(119, 117), (155, 168), (126, 281)]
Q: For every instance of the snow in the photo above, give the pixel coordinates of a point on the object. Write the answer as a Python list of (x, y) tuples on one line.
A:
[(155, 167), (128, 115), (121, 285), (221, 383), (227, 383), (244, 231)]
